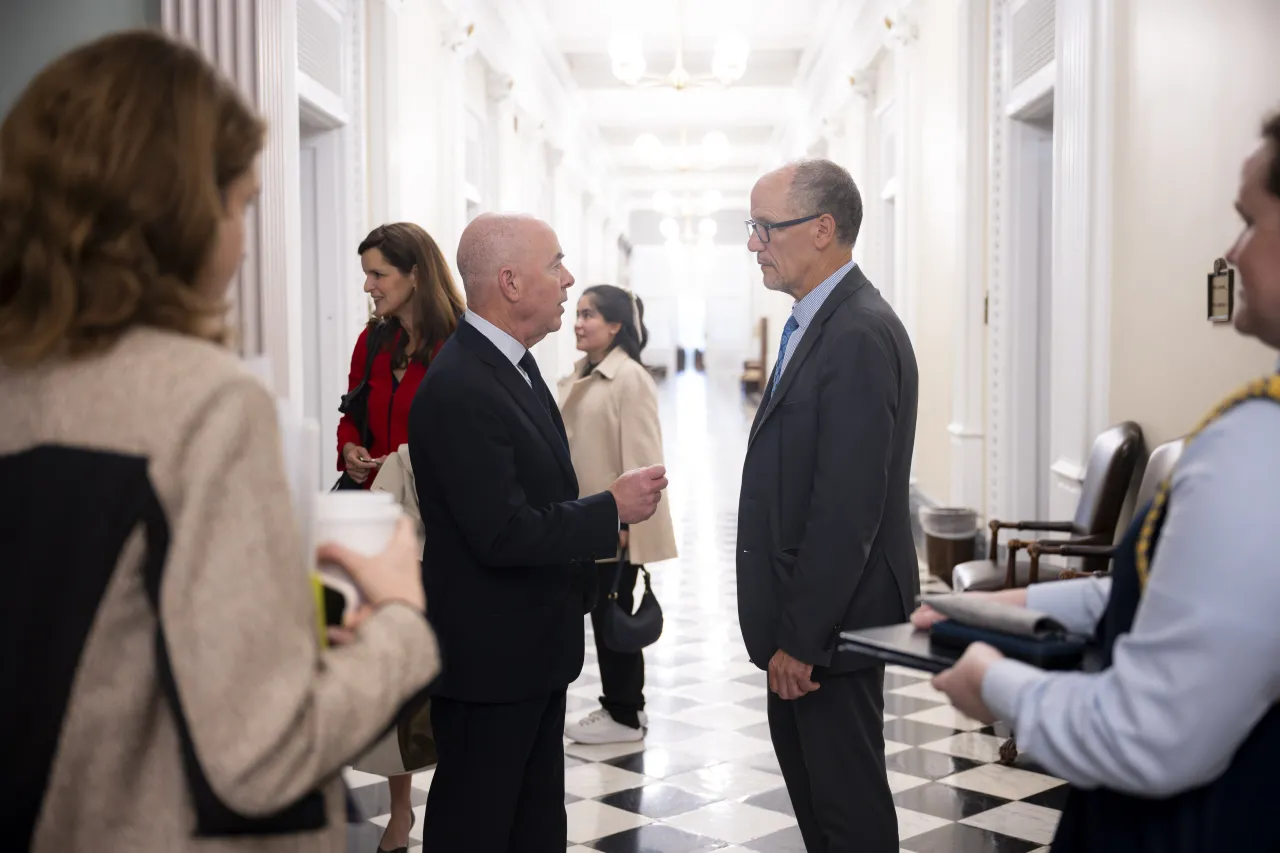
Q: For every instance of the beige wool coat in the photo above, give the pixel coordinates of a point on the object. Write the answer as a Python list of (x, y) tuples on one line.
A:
[(395, 477), (271, 713), (611, 418)]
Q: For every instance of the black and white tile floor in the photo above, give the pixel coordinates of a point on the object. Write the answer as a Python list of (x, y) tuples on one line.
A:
[(705, 778)]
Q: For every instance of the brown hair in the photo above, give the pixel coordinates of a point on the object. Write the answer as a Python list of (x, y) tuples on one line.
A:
[(113, 167), (1271, 132), (436, 303)]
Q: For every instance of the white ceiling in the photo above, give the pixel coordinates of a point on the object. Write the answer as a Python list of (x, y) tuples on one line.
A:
[(751, 112)]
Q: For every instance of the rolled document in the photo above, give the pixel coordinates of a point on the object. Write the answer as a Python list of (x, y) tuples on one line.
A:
[(976, 611)]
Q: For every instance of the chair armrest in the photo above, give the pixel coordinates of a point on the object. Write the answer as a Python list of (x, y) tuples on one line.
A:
[(1039, 526), (1073, 549), (1085, 546), (1045, 526)]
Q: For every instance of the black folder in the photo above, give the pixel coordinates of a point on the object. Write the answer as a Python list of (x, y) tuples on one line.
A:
[(900, 644)]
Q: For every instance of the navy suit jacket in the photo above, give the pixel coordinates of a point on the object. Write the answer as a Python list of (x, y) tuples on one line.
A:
[(824, 520), (508, 563)]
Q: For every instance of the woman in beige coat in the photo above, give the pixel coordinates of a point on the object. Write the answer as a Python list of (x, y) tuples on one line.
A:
[(172, 692), (610, 411)]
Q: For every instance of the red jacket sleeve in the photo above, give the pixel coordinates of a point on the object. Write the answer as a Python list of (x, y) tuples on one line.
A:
[(347, 432)]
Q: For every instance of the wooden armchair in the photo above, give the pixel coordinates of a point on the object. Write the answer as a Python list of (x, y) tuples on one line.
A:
[(1107, 479), (754, 377), (1159, 467)]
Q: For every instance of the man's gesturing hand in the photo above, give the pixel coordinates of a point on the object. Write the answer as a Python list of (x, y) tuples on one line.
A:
[(637, 493)]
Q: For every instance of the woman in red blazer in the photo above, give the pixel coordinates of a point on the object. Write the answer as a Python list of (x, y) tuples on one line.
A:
[(416, 307)]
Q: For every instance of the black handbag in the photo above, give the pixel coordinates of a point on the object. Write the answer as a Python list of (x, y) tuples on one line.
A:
[(628, 633), (355, 404)]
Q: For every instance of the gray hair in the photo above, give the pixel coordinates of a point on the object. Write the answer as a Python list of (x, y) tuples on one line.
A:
[(820, 186)]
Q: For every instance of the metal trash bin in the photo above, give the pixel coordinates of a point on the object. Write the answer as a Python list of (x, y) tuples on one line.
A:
[(949, 534)]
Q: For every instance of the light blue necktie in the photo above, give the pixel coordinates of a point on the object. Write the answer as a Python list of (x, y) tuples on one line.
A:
[(790, 327)]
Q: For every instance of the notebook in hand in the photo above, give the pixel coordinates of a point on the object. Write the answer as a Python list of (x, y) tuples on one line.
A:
[(1026, 635), (900, 644)]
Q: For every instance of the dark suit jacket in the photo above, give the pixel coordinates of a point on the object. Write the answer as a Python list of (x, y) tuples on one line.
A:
[(824, 526), (509, 547)]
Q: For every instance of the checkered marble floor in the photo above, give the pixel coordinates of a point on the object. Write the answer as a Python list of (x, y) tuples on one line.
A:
[(705, 777)]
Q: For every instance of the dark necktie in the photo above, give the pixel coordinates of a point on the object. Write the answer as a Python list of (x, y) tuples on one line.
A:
[(530, 366), (543, 393), (791, 326)]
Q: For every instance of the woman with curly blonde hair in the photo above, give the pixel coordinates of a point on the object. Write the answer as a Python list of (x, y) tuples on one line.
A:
[(172, 692)]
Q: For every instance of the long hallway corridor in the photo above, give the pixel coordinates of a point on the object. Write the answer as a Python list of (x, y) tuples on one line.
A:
[(705, 778)]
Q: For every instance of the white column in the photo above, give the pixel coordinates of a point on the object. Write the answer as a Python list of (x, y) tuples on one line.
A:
[(281, 225), (1082, 242), (966, 427), (1001, 490), (449, 104), (384, 108), (555, 353), (255, 43), (430, 146), (902, 39), (856, 125), (507, 150)]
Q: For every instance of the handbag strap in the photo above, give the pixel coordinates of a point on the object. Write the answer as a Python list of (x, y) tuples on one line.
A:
[(617, 578), (372, 343)]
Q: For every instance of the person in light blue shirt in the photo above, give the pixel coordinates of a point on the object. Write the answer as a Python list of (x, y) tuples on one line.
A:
[(1173, 745)]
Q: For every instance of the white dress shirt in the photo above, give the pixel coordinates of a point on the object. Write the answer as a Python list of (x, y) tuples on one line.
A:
[(507, 345)]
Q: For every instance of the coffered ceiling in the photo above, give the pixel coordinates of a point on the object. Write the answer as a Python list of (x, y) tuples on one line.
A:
[(751, 113)]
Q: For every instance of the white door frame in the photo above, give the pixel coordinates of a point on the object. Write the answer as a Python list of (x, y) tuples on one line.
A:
[(1083, 94), (325, 368), (1026, 264), (967, 428)]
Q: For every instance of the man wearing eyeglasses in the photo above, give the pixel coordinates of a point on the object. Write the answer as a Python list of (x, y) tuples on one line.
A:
[(824, 527)]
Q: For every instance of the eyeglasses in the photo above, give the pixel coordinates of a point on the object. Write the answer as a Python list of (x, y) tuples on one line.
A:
[(760, 230)]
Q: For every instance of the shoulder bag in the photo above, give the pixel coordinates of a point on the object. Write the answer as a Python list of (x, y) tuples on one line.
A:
[(355, 403), (628, 633)]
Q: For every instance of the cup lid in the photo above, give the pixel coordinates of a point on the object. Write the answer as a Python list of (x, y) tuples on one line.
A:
[(356, 504)]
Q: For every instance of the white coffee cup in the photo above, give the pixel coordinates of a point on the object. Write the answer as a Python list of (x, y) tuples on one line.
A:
[(363, 521)]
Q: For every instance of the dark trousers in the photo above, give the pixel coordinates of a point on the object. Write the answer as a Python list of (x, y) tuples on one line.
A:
[(621, 675), (499, 783), (830, 746)]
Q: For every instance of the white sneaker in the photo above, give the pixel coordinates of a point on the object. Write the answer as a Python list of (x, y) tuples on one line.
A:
[(599, 727)]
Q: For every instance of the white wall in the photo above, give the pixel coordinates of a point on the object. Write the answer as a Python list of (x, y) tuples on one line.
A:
[(930, 237), (1194, 79), (34, 32)]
